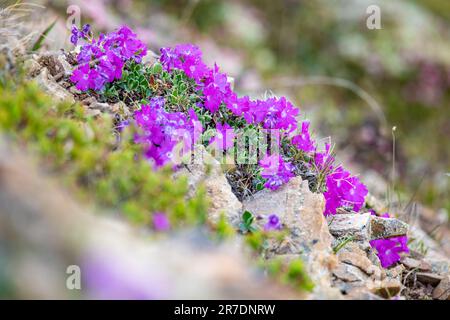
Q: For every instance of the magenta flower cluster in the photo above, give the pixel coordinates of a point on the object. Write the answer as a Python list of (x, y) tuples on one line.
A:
[(162, 131), (272, 113), (186, 57), (343, 190), (303, 140), (388, 250), (102, 60)]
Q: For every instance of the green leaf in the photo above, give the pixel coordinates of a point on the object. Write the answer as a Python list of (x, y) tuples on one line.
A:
[(157, 68), (247, 217), (38, 44)]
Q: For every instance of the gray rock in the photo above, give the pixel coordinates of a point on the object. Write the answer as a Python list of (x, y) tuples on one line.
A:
[(395, 272), (442, 291), (429, 278), (74, 90), (350, 273), (358, 258), (47, 83), (411, 263), (206, 170), (67, 67), (301, 213), (386, 288), (354, 225), (361, 278), (381, 228), (365, 227), (32, 67), (102, 107)]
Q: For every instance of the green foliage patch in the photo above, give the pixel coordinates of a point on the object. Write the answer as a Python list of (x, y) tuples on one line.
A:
[(104, 168)]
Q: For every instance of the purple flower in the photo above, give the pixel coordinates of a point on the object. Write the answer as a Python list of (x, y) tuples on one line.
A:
[(224, 138), (216, 90), (323, 160), (81, 77), (273, 223), (106, 56), (77, 34), (162, 131), (186, 57), (287, 115), (388, 250), (125, 44), (86, 29), (272, 113), (276, 171), (74, 38), (161, 222), (96, 79), (110, 66), (303, 141), (343, 190), (89, 52)]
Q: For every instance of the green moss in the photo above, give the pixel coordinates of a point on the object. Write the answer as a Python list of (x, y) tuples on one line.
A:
[(223, 229), (91, 160)]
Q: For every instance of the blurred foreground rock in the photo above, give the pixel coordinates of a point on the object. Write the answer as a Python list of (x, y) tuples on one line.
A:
[(43, 231)]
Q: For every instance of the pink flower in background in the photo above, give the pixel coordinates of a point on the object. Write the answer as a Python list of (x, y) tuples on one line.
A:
[(97, 11), (160, 221)]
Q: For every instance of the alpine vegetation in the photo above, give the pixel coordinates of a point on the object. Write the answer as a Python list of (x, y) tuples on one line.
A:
[(179, 101)]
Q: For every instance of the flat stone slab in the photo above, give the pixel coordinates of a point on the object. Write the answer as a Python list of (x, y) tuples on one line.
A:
[(365, 227)]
